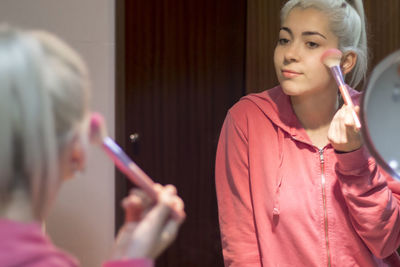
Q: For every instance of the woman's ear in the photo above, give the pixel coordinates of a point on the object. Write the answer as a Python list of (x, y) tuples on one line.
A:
[(74, 159), (348, 62)]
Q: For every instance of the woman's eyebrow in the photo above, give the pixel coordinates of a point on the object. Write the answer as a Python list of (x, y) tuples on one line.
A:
[(287, 30), (313, 33), (306, 33)]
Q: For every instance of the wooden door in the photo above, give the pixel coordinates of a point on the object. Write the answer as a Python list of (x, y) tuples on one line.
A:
[(180, 66)]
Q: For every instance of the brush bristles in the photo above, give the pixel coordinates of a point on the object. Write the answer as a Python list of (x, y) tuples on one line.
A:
[(97, 129), (331, 57)]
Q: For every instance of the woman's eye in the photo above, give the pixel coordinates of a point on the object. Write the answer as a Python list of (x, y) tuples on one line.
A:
[(283, 41), (312, 45)]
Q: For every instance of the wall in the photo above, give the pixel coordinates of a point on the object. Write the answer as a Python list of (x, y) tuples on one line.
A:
[(82, 220)]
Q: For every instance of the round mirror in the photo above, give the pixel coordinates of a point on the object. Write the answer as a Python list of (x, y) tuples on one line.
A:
[(380, 114)]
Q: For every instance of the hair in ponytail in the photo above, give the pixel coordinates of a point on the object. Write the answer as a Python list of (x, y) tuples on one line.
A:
[(43, 98), (347, 21)]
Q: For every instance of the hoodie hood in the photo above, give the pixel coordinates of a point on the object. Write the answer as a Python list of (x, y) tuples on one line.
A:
[(276, 105), (278, 108)]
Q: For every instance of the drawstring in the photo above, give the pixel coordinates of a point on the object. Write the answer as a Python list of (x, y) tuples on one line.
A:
[(276, 210)]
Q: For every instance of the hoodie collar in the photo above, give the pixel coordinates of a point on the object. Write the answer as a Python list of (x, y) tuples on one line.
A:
[(276, 105)]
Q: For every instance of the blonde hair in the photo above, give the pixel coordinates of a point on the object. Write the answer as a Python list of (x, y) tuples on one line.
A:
[(347, 21), (44, 94)]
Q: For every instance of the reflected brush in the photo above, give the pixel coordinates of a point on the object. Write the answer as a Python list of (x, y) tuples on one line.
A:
[(331, 58)]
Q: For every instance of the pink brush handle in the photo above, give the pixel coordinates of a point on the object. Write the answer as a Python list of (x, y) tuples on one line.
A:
[(132, 170), (129, 168), (347, 100), (337, 74)]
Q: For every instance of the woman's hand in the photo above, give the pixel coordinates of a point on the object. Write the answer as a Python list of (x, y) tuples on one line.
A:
[(343, 133), (149, 228)]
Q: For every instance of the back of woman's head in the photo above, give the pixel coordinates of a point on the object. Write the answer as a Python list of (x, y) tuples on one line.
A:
[(43, 100), (347, 21)]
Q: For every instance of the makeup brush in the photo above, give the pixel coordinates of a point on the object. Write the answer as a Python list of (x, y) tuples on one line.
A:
[(98, 135), (331, 58)]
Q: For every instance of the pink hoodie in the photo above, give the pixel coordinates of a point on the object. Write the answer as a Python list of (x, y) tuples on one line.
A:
[(284, 202), (24, 244)]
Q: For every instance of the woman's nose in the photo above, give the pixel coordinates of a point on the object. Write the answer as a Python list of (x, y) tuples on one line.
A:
[(292, 53)]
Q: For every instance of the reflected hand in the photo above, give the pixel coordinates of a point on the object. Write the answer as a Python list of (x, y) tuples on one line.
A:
[(343, 133), (149, 228)]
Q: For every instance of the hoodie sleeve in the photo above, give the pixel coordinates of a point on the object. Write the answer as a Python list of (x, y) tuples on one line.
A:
[(239, 240), (373, 207)]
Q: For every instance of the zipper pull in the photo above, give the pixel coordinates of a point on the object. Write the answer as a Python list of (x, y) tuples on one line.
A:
[(321, 155)]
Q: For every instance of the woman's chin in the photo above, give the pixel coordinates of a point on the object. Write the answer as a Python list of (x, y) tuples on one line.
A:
[(290, 89)]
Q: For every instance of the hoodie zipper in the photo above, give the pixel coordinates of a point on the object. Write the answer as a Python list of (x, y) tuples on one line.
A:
[(323, 183)]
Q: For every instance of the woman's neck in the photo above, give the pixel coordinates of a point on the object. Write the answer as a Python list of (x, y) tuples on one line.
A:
[(316, 111), (18, 208)]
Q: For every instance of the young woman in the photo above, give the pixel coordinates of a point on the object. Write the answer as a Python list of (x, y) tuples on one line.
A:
[(44, 114), (295, 185)]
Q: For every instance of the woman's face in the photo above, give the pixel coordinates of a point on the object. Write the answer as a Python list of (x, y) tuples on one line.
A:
[(304, 36)]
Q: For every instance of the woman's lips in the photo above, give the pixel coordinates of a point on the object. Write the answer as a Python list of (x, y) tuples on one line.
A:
[(290, 73)]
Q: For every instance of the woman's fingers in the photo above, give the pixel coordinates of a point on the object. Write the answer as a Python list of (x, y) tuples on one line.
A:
[(149, 227), (343, 133), (147, 234), (133, 206), (167, 236), (136, 205)]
